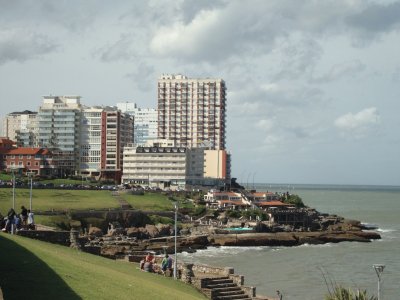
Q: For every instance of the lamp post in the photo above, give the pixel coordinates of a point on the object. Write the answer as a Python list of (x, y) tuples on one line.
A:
[(13, 187), (175, 229), (30, 175), (379, 270)]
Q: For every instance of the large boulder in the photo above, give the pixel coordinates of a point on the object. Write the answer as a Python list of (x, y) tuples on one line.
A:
[(164, 229), (136, 232), (152, 231), (95, 231)]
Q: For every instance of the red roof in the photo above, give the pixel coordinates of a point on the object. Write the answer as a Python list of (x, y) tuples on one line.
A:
[(26, 151), (4, 140), (271, 203)]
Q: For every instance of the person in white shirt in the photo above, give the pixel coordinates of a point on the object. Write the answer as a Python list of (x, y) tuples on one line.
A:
[(31, 221)]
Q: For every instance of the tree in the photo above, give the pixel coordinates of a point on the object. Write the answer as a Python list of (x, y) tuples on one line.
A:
[(293, 199)]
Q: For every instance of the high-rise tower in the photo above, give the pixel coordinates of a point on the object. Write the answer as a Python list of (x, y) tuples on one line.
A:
[(192, 111)]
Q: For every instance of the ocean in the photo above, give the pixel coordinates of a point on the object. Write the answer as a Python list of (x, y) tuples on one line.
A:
[(306, 272)]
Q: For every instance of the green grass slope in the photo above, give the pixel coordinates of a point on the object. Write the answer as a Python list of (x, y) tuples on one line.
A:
[(30, 269), (48, 199)]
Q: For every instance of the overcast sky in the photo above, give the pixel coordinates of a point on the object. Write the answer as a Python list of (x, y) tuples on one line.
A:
[(313, 86)]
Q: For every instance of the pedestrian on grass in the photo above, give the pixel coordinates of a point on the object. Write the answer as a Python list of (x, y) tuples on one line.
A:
[(24, 216)]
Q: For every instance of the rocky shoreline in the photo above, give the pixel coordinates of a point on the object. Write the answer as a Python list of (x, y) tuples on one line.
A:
[(115, 246)]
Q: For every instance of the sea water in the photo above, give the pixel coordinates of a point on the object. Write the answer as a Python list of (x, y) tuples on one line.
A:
[(307, 272)]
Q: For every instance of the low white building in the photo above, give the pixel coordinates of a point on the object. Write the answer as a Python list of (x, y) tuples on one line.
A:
[(155, 166), (162, 164)]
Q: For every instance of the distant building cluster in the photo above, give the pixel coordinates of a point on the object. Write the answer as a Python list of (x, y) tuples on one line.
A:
[(179, 143)]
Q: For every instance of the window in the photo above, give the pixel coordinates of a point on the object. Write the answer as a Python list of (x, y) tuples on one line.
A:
[(20, 163), (36, 163), (28, 157), (28, 163), (21, 156)]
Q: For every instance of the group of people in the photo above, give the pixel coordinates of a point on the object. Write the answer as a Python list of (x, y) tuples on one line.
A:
[(148, 264), (14, 221)]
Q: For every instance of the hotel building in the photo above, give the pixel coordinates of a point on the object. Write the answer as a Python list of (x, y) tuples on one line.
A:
[(163, 164)]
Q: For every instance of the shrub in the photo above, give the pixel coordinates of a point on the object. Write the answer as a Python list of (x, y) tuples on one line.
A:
[(293, 199), (341, 293)]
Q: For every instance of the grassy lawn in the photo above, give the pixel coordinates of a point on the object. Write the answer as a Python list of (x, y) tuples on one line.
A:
[(154, 201), (48, 199), (149, 201), (38, 270)]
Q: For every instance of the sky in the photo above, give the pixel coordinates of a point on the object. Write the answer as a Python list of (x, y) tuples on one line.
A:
[(312, 86)]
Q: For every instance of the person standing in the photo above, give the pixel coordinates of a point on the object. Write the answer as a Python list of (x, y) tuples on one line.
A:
[(24, 216), (164, 264), (10, 220), (31, 220)]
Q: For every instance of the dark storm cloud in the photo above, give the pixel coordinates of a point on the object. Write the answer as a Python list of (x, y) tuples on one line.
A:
[(376, 18), (20, 45)]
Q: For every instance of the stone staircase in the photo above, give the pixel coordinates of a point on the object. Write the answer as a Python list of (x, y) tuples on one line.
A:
[(224, 288)]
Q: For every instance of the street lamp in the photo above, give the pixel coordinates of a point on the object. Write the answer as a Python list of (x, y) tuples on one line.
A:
[(379, 270), (175, 229), (30, 175), (13, 186)]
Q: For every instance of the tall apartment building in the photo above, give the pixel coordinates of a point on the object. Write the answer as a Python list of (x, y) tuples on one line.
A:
[(105, 131), (192, 111), (145, 122), (59, 131), (21, 127)]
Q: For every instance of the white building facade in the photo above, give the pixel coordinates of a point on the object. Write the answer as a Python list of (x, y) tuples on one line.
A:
[(145, 122), (163, 164), (59, 131)]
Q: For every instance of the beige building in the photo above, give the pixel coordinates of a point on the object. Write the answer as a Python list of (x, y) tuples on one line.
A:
[(163, 164), (21, 127), (155, 166), (192, 111)]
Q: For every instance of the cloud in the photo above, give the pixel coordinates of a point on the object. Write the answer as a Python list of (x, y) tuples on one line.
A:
[(360, 124), (376, 18), (21, 45), (338, 71), (265, 125), (120, 50), (144, 76)]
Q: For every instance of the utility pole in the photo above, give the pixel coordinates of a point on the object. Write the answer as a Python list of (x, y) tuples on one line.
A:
[(176, 232)]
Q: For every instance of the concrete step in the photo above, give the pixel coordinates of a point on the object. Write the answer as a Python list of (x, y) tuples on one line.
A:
[(220, 285), (230, 293), (232, 297), (226, 289), (220, 280)]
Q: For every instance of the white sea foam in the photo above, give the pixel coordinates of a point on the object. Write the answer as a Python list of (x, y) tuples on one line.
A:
[(326, 245), (222, 251), (385, 230)]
